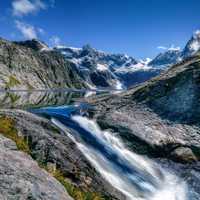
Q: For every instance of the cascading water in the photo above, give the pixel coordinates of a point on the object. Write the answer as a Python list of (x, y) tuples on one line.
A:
[(137, 177)]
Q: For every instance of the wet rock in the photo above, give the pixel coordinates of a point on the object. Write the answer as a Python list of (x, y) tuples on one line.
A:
[(183, 154), (160, 119)]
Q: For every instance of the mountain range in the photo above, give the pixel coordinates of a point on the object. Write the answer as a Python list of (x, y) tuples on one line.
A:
[(119, 71), (32, 64)]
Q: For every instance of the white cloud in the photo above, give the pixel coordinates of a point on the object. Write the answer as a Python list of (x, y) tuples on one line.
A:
[(25, 7), (171, 48), (28, 31), (55, 41), (162, 47)]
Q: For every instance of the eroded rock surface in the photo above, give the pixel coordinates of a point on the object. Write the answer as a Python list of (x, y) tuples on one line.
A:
[(21, 177)]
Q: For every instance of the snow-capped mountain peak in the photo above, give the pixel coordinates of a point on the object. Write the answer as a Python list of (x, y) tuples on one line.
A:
[(146, 61), (193, 45), (100, 69), (166, 58)]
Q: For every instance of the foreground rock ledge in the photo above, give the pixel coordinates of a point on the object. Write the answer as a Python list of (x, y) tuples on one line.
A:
[(22, 178)]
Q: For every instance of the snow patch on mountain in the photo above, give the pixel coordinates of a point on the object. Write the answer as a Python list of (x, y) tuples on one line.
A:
[(102, 67), (193, 45), (133, 68)]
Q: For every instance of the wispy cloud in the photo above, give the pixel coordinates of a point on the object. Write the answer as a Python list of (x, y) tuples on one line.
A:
[(24, 7), (162, 47), (172, 48), (55, 41), (28, 31)]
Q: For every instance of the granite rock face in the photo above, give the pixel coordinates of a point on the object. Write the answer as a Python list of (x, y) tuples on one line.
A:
[(21, 177), (26, 66)]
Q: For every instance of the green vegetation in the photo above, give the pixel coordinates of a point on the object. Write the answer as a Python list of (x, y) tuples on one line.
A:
[(74, 191), (13, 97), (12, 81), (29, 86), (7, 129)]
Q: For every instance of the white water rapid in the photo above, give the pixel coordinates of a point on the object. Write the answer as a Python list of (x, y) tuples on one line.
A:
[(137, 177)]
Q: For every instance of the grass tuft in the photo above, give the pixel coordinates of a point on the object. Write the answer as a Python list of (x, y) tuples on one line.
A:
[(7, 129), (12, 81), (74, 191)]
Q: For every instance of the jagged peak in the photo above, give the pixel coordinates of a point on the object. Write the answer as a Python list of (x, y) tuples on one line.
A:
[(196, 34), (34, 44)]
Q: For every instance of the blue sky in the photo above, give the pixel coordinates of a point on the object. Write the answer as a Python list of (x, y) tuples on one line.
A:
[(134, 27)]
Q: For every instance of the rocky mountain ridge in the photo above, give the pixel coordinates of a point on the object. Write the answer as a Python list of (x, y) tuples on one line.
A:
[(24, 67), (175, 55), (83, 67), (102, 69)]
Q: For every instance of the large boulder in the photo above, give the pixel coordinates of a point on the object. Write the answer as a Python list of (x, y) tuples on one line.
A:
[(21, 177)]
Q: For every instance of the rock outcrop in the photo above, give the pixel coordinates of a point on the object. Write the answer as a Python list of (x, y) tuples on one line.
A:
[(26, 66), (22, 178)]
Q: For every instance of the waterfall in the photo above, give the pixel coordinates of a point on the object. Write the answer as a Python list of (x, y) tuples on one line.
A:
[(137, 177)]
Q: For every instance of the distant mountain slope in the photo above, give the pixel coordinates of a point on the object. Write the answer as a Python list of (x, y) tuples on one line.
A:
[(96, 67), (136, 74), (100, 69), (24, 65), (169, 57), (192, 46), (175, 55)]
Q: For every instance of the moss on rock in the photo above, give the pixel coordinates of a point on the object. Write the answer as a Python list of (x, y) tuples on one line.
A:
[(7, 129)]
